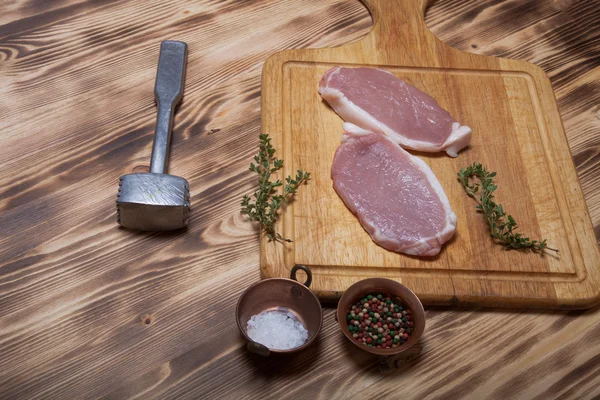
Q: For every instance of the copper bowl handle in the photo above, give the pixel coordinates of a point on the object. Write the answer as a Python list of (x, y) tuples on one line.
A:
[(258, 348), (304, 268)]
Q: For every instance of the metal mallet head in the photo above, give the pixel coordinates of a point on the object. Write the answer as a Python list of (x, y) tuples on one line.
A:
[(156, 201)]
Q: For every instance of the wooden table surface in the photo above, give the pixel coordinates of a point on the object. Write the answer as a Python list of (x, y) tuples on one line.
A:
[(89, 310)]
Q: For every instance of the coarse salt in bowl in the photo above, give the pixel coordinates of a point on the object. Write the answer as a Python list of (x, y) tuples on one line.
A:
[(277, 329), (279, 304)]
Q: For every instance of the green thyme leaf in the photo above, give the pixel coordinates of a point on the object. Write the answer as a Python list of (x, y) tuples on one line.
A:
[(501, 226), (267, 202)]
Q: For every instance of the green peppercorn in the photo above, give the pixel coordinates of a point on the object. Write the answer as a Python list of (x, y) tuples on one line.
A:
[(380, 297), (389, 313), (369, 297)]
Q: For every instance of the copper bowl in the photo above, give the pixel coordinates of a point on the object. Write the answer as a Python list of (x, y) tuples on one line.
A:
[(285, 295), (399, 293)]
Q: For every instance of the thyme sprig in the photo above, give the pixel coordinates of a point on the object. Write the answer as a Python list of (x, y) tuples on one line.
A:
[(502, 227), (266, 203)]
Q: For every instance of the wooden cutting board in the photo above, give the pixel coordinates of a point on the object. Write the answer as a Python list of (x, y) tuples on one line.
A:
[(517, 132)]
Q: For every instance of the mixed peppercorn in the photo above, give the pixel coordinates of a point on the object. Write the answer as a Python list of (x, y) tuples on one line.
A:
[(376, 321)]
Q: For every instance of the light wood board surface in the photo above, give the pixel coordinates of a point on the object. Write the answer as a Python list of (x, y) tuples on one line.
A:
[(517, 132), (90, 311)]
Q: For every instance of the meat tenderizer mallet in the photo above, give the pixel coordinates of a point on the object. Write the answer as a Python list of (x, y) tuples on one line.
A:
[(156, 201)]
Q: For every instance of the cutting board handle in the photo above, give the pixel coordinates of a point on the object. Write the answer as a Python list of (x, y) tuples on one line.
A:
[(403, 13), (400, 24)]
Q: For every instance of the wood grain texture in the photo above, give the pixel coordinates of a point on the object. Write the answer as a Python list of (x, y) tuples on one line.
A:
[(517, 132), (91, 311)]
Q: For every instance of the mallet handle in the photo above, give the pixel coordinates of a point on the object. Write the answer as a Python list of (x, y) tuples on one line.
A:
[(168, 90)]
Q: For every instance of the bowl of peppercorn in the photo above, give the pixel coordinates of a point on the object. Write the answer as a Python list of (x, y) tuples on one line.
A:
[(381, 316)]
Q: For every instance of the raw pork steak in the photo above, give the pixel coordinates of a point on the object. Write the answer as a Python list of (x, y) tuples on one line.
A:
[(376, 100), (394, 194)]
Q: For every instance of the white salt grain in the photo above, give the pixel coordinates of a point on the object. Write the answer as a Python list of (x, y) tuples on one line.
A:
[(278, 330)]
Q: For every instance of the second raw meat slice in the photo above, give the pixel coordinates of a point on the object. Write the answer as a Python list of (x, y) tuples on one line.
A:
[(377, 100), (394, 194)]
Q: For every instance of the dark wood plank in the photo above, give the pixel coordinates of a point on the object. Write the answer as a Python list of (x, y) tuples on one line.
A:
[(88, 310)]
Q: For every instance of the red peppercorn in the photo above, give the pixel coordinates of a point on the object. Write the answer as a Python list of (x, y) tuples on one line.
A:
[(363, 324), (360, 335), (406, 335), (370, 302), (378, 347), (388, 337), (369, 340), (410, 323), (379, 324), (388, 343)]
